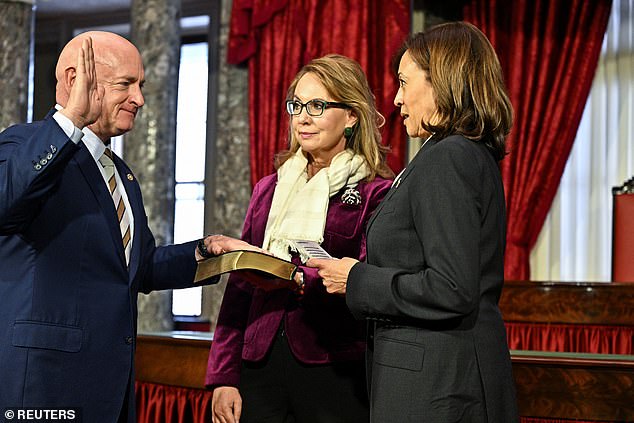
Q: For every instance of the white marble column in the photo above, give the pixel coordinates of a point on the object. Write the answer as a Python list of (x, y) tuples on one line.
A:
[(228, 187), (150, 148), (16, 28)]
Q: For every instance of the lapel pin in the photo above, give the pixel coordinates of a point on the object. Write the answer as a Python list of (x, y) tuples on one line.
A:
[(351, 197), (130, 177)]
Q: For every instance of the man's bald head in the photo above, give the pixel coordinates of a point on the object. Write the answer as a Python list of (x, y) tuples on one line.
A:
[(110, 50), (119, 73)]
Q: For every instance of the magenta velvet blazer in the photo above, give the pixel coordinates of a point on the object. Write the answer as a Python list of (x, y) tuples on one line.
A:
[(319, 327)]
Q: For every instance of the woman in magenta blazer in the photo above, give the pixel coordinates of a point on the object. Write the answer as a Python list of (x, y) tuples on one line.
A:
[(296, 353)]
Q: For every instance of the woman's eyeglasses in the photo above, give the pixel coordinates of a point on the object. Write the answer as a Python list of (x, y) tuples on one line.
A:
[(313, 107)]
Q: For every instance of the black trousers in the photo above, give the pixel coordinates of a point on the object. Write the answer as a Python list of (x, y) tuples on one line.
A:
[(282, 390)]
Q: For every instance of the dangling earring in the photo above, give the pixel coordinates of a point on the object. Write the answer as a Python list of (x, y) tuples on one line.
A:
[(347, 132)]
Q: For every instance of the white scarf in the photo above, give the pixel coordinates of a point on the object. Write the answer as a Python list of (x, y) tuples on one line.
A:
[(300, 205)]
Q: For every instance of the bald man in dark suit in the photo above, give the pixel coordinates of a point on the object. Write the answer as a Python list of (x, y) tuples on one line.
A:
[(75, 246)]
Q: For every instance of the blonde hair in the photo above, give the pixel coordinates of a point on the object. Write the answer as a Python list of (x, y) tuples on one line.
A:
[(466, 77), (345, 81)]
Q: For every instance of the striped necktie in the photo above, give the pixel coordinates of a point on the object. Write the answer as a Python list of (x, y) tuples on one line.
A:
[(122, 213)]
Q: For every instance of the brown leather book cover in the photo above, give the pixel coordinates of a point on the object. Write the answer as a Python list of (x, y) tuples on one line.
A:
[(245, 260)]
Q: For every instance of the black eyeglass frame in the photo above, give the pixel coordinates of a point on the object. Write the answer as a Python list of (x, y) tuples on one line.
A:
[(326, 105)]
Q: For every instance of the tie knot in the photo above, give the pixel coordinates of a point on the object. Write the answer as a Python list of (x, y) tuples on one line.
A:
[(106, 158)]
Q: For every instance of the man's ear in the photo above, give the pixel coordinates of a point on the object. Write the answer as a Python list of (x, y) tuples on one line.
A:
[(69, 77)]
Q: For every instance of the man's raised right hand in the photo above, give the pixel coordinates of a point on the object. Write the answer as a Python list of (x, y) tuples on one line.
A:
[(84, 102)]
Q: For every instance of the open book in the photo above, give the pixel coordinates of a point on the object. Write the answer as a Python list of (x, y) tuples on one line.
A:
[(245, 260)]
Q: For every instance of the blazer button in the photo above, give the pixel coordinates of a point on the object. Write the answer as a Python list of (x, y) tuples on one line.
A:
[(37, 166), (43, 162), (128, 340)]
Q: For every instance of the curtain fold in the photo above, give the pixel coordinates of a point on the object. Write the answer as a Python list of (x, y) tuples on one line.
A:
[(170, 404), (548, 51), (162, 403), (596, 339), (575, 243), (246, 16), (279, 37)]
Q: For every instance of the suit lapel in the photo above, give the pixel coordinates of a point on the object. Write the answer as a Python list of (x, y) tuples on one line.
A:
[(399, 181), (96, 183), (395, 186)]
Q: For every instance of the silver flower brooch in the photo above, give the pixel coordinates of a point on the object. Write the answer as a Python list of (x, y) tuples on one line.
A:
[(351, 196)]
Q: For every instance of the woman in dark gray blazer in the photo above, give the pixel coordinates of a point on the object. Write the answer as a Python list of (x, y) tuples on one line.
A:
[(435, 246)]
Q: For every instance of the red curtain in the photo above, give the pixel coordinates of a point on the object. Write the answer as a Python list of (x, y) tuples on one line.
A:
[(549, 50), (597, 339), (278, 37), (171, 404)]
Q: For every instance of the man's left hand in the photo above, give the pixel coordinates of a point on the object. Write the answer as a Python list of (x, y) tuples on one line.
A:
[(220, 244)]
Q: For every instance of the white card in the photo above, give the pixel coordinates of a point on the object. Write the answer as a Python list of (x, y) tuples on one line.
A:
[(310, 249)]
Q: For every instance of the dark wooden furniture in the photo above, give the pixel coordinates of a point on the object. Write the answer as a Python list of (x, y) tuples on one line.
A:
[(575, 303), (549, 385), (176, 358), (574, 386), (569, 317)]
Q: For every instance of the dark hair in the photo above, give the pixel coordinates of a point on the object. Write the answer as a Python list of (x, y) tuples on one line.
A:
[(345, 81), (466, 76)]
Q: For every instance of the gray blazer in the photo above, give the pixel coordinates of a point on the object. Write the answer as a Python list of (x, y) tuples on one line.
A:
[(430, 288)]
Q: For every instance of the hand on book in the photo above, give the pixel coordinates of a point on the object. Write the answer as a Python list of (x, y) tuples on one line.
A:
[(243, 260), (220, 244), (334, 272)]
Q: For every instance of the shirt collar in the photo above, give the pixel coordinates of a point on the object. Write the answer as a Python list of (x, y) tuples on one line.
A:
[(93, 143)]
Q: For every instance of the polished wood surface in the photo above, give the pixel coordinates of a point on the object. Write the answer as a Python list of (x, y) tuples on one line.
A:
[(173, 358), (574, 386), (575, 303), (549, 385)]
